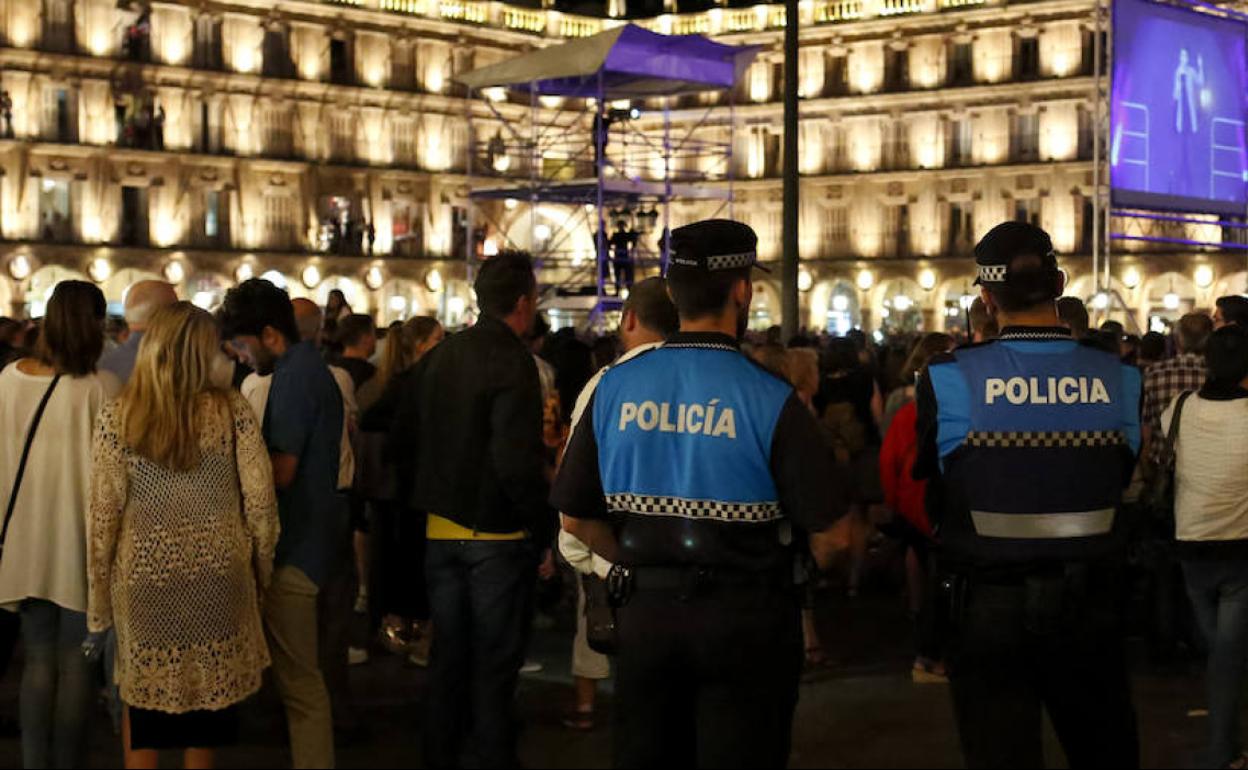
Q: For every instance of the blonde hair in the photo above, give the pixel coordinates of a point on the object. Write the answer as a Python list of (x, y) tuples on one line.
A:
[(803, 369), (402, 342), (163, 406)]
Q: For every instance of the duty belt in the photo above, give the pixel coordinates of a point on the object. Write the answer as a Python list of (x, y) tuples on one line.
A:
[(692, 579)]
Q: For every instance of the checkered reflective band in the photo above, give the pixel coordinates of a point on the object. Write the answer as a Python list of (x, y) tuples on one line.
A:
[(684, 261), (1033, 336), (701, 346), (731, 261), (993, 273), (715, 510), (1061, 440)]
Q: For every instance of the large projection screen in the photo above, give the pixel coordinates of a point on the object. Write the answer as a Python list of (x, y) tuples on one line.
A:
[(1177, 111)]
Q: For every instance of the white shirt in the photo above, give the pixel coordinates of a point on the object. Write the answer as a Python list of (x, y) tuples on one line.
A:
[(578, 555), (256, 390), (1211, 475), (45, 555)]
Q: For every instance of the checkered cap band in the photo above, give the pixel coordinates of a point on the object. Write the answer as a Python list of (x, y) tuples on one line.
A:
[(731, 261), (714, 510), (1060, 440), (993, 273)]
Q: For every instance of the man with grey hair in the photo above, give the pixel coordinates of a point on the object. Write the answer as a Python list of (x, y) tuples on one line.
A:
[(143, 299)]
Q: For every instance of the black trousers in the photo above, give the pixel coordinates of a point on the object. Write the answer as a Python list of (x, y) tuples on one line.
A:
[(1004, 670), (708, 680)]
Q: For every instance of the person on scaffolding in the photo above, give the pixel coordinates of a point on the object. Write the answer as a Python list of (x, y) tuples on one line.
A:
[(623, 244)]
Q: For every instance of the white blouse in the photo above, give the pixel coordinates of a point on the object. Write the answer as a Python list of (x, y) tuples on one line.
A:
[(45, 554), (1211, 474)]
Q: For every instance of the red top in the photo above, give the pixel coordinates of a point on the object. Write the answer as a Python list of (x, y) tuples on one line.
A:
[(902, 493)]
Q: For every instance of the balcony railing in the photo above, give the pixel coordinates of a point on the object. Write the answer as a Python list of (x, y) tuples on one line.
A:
[(716, 21)]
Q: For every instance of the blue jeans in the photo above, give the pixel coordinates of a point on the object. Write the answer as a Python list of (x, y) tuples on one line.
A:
[(1219, 592), (56, 685), (481, 597)]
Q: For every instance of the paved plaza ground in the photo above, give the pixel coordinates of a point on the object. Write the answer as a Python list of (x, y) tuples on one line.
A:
[(864, 712)]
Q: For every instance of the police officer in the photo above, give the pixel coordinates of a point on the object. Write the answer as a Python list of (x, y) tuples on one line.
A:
[(691, 469), (1030, 440)]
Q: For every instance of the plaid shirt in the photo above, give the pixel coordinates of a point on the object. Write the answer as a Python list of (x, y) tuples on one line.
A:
[(1163, 383)]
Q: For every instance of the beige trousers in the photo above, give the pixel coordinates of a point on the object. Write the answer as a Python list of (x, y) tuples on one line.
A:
[(586, 663), (291, 627)]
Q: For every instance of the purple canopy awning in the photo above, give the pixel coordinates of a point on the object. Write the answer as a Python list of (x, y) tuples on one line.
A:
[(633, 63)]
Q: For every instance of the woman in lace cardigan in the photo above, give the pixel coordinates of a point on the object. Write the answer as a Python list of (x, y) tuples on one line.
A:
[(182, 529)]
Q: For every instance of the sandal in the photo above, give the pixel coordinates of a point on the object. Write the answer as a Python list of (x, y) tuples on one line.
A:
[(816, 657), (580, 721)]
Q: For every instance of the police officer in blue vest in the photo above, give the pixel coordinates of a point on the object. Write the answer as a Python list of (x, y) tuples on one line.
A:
[(1029, 441), (697, 471)]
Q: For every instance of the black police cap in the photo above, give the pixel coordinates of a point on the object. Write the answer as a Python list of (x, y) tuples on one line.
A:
[(714, 245), (1006, 242)]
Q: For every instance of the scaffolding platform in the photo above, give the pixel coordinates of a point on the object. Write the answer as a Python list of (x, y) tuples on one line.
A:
[(585, 151)]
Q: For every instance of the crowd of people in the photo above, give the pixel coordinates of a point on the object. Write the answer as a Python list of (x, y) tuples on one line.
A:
[(211, 496)]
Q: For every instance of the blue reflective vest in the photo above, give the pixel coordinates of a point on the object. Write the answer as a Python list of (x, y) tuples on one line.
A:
[(684, 435), (1037, 435)]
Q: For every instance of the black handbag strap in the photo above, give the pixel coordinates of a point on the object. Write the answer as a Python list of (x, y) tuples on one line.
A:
[(1172, 436), (21, 466)]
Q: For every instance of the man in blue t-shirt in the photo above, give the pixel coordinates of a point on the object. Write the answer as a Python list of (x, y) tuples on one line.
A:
[(303, 429)]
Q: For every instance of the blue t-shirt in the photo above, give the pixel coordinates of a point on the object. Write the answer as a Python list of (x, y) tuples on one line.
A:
[(304, 418)]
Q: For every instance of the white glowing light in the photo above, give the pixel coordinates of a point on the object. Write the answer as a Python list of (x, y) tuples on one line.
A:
[(203, 300), (866, 279), (175, 273), (100, 270), (510, 204), (311, 276), (805, 280), (435, 80), (1131, 278), (1204, 276), (19, 267), (456, 306), (502, 163), (1100, 301), (398, 304), (1171, 301), (927, 280), (433, 281), (490, 248), (903, 303), (275, 278), (542, 232), (244, 272), (374, 278), (840, 303), (496, 94), (965, 301)]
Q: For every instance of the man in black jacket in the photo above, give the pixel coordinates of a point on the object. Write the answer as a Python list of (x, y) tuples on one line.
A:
[(479, 475)]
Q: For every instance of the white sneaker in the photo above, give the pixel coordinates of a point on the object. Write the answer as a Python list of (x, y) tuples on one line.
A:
[(357, 656), (531, 667)]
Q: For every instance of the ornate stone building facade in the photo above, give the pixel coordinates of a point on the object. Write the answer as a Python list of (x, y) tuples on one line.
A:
[(327, 145)]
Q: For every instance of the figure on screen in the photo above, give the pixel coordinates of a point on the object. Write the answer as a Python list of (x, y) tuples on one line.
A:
[(1188, 81)]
